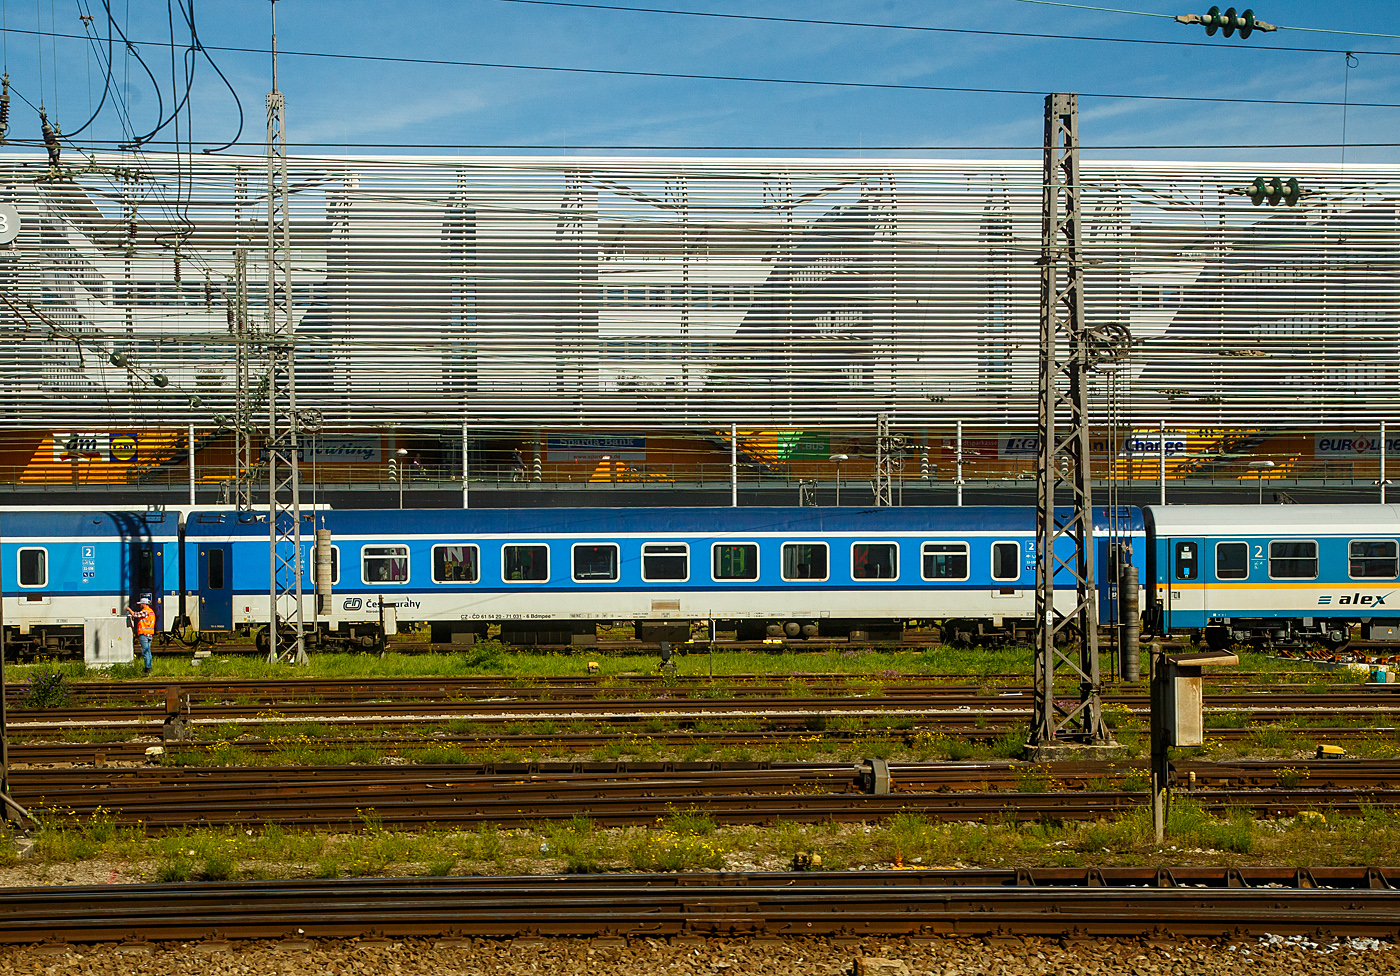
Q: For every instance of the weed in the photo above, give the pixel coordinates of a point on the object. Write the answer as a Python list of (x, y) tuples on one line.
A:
[(441, 867), (218, 866), (173, 869), (45, 689), (1274, 737), (692, 822), (1033, 779), (1290, 777), (666, 850)]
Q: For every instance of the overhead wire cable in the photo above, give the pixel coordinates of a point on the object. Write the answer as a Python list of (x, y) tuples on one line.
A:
[(758, 79), (1145, 13), (829, 147), (106, 85), (924, 28)]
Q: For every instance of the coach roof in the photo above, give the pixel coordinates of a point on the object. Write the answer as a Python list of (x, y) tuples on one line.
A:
[(1281, 520)]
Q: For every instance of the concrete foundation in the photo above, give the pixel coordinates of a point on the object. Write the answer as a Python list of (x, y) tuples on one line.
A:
[(1075, 751)]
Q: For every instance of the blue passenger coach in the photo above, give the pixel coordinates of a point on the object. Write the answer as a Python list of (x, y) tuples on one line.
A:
[(550, 575), (64, 566), (1273, 574)]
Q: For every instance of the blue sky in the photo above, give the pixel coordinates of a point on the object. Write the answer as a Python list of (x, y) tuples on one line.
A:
[(372, 106)]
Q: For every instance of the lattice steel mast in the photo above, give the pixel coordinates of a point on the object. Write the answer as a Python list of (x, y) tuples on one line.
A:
[(883, 482), (1065, 640), (280, 440)]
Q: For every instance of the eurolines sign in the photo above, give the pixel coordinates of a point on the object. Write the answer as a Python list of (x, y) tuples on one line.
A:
[(1353, 444)]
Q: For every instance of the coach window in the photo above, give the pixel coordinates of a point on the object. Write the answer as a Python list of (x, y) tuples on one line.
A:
[(310, 562), (524, 563), (33, 567), (1231, 560), (1187, 567), (735, 561), (874, 560), (665, 561), (1293, 560), (1372, 558), (1006, 561), (455, 564), (384, 564), (945, 560), (595, 563), (804, 561), (215, 572)]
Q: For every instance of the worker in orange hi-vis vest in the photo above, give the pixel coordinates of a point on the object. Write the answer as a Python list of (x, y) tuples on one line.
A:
[(143, 620)]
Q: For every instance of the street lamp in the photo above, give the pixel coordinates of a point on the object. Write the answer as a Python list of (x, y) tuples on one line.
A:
[(838, 458), (1260, 467), (398, 471)]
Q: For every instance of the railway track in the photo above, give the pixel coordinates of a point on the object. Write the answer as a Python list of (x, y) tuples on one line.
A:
[(953, 708), (738, 687), (1156, 902), (573, 743), (641, 794)]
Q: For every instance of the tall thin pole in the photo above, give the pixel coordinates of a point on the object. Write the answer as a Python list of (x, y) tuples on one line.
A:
[(960, 460), (1162, 462), (734, 465), (191, 450), (1066, 629), (1382, 462), (4, 717), (283, 420), (466, 468)]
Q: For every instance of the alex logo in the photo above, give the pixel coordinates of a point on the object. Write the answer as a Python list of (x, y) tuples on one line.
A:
[(1354, 600)]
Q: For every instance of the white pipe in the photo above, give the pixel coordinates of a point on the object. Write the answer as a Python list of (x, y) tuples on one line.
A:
[(1162, 461), (734, 465), (466, 468), (960, 459), (192, 466)]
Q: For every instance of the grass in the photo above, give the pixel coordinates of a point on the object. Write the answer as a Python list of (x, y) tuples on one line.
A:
[(688, 839)]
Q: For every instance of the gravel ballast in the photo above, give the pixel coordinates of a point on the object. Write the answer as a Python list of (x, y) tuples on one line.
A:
[(798, 957)]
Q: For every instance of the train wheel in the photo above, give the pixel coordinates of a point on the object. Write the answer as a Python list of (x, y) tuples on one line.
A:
[(1218, 638), (261, 640), (959, 633)]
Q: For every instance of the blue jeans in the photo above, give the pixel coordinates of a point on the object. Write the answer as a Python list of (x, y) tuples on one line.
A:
[(146, 649)]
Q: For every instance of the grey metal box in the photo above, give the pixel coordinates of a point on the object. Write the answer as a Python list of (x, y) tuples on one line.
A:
[(107, 640)]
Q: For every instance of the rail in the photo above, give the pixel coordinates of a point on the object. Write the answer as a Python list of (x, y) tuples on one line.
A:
[(1155, 902)]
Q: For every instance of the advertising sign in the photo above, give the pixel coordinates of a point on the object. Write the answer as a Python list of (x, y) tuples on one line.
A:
[(1353, 444), (1020, 447), (587, 447), (345, 450), (335, 450), (77, 445), (122, 448)]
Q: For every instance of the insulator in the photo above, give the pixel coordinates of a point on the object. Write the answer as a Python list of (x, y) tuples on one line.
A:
[(50, 138), (208, 293), (4, 106), (177, 270)]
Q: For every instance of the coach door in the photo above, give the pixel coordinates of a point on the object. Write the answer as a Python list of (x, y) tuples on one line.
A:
[(215, 587), (147, 576), (1186, 601)]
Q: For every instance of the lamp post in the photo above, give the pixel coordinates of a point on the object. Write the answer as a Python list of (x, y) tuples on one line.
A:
[(1259, 468), (838, 458), (398, 471)]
